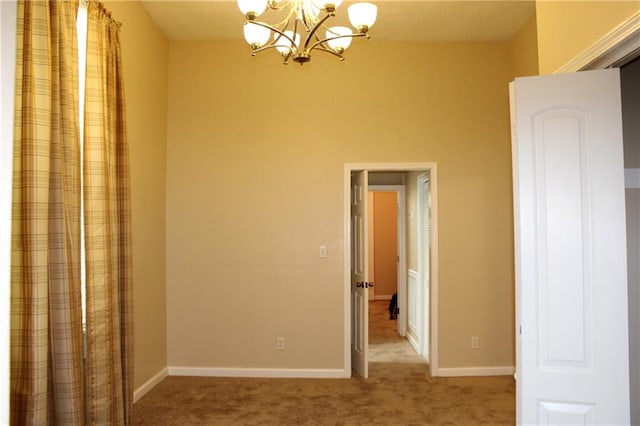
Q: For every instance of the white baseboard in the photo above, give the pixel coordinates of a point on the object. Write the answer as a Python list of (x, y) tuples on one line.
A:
[(382, 297), (289, 373), (473, 371), (412, 340), (149, 384)]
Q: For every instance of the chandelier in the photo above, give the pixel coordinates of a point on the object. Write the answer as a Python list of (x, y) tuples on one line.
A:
[(307, 17)]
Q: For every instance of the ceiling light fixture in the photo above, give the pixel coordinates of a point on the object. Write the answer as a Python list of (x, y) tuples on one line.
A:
[(308, 16)]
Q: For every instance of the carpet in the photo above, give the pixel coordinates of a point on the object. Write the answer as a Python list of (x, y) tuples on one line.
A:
[(396, 393)]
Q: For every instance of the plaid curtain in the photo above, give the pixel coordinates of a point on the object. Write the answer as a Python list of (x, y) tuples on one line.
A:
[(107, 227), (46, 317), (48, 385)]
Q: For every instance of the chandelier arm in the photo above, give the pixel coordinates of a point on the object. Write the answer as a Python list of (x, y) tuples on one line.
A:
[(333, 52), (306, 21), (276, 30), (286, 56), (285, 22), (321, 42), (281, 5), (295, 32), (285, 5), (282, 24), (263, 48), (315, 28)]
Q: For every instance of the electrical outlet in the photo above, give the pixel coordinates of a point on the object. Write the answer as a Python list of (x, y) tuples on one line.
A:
[(475, 343), (280, 344)]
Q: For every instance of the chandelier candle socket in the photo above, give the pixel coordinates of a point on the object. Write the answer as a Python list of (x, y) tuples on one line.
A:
[(298, 34)]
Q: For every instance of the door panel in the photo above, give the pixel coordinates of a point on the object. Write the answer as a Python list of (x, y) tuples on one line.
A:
[(570, 250), (359, 274)]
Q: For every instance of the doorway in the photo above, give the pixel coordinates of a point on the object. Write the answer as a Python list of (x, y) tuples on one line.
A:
[(387, 269), (387, 242), (356, 313)]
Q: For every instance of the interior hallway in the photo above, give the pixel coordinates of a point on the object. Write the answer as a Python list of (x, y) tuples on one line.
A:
[(385, 345)]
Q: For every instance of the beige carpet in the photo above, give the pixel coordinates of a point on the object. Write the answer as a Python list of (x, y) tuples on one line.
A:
[(397, 393), (385, 345)]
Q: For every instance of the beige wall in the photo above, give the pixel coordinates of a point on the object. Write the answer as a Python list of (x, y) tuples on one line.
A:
[(385, 243), (255, 184), (145, 54), (523, 50), (567, 28)]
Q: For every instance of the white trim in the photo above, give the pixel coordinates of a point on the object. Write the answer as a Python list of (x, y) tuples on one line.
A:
[(413, 342), (423, 291), (610, 50), (632, 178), (400, 167), (476, 371), (8, 13), (383, 297), (146, 387), (276, 373), (433, 317), (411, 337), (346, 270), (412, 330)]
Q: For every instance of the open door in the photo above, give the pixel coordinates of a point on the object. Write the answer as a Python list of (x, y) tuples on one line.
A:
[(424, 264), (570, 250), (359, 274)]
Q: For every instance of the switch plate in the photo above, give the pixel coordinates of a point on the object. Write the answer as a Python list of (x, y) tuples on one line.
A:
[(323, 252)]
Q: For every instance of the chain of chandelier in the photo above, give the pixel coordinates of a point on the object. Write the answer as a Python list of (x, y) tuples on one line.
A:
[(303, 18)]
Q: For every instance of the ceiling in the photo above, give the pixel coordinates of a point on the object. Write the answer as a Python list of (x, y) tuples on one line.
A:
[(401, 20)]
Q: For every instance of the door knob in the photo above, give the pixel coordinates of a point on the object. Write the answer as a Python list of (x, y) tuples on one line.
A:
[(367, 285), (360, 284)]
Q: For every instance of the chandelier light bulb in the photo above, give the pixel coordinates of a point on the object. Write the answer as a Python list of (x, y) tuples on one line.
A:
[(338, 44), (363, 15), (283, 44), (256, 35), (252, 8)]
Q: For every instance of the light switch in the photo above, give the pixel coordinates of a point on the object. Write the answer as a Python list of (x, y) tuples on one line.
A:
[(323, 252)]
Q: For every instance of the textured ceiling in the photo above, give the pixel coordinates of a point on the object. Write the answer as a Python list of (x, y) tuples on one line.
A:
[(405, 20)]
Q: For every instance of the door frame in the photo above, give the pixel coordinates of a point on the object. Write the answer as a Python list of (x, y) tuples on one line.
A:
[(616, 48), (401, 275), (346, 185)]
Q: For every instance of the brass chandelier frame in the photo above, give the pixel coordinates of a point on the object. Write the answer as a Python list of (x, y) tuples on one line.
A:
[(299, 14)]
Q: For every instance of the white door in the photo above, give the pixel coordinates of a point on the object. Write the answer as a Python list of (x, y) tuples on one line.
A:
[(570, 250), (359, 276), (424, 260)]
